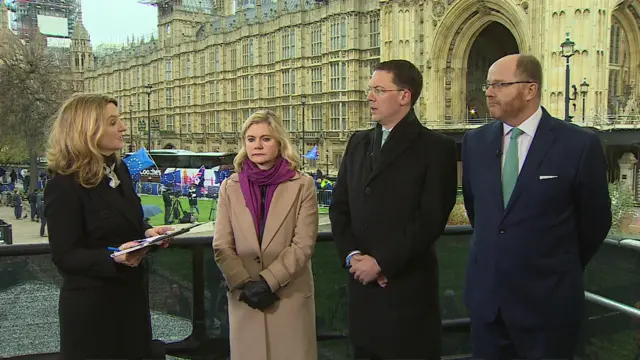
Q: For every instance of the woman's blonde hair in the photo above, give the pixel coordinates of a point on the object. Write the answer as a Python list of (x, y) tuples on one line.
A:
[(73, 142), (279, 133)]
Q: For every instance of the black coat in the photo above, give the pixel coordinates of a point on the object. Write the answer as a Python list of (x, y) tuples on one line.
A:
[(393, 204), (104, 306)]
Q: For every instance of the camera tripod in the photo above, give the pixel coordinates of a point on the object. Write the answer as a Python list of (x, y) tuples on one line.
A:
[(176, 210)]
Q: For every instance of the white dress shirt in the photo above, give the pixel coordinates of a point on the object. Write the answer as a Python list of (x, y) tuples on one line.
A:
[(528, 128)]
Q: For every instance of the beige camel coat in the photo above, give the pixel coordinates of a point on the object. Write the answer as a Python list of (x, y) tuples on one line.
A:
[(287, 330)]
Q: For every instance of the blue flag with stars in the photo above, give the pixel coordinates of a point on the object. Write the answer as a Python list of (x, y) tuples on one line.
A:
[(138, 161), (171, 177)]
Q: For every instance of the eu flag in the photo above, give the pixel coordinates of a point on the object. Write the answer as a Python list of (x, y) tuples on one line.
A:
[(171, 178), (138, 161)]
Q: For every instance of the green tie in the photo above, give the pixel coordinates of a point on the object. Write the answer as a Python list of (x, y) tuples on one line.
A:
[(385, 134), (511, 166)]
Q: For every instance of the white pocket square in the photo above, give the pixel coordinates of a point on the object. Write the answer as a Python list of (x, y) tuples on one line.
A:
[(545, 177)]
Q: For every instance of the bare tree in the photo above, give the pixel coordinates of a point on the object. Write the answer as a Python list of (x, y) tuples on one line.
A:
[(34, 81)]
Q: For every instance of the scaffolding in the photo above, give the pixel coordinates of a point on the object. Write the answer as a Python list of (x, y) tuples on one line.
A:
[(166, 6), (24, 17)]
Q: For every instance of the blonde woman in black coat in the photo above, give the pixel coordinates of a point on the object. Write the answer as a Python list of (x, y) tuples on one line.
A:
[(90, 206)]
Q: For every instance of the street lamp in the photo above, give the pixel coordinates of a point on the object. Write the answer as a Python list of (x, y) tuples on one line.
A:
[(327, 160), (567, 52), (303, 101), (130, 126), (142, 124), (148, 88), (584, 89)]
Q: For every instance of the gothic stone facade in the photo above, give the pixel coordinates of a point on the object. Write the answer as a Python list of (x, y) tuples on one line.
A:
[(208, 70)]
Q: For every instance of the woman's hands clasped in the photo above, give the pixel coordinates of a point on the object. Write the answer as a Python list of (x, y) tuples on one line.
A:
[(257, 294)]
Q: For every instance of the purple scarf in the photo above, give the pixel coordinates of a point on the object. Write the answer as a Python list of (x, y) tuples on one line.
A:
[(251, 178)]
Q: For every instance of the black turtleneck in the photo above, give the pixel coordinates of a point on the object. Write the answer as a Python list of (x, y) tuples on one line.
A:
[(109, 160)]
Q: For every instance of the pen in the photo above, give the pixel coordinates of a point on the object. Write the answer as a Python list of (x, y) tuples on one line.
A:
[(113, 249)]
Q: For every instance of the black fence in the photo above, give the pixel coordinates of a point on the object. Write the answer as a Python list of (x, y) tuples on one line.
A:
[(189, 306), (6, 233)]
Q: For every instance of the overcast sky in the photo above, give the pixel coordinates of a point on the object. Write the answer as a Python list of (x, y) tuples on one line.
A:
[(112, 21)]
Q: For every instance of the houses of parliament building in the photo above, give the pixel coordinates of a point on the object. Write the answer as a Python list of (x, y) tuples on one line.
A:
[(214, 62)]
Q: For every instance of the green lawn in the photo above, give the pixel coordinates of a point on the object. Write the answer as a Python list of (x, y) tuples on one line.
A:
[(204, 205)]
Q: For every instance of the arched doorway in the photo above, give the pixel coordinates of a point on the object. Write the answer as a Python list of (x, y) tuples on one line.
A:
[(620, 82), (492, 43)]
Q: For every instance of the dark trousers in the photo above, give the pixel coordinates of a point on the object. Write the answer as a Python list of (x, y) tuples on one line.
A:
[(500, 340), (360, 353), (43, 225), (17, 211), (167, 214), (34, 211)]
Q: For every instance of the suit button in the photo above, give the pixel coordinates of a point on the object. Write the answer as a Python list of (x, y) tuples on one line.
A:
[(257, 259), (501, 231), (367, 190)]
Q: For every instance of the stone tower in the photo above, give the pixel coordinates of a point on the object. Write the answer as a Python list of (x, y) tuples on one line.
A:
[(4, 16), (182, 21), (81, 53)]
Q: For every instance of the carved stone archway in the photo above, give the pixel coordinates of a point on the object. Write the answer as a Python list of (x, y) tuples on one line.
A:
[(627, 15), (492, 42), (453, 41)]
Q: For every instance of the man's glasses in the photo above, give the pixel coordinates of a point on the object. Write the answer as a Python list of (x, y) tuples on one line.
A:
[(377, 91), (502, 85)]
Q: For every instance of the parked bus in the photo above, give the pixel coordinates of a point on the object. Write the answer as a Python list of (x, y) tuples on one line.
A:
[(184, 159), (181, 168)]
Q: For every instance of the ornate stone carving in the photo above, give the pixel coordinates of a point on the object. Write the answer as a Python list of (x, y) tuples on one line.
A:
[(437, 8), (483, 9), (449, 69), (631, 108)]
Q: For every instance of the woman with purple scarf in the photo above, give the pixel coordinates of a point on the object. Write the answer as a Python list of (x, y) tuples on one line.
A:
[(266, 230)]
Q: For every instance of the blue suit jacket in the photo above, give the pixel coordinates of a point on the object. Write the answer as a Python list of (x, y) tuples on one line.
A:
[(528, 259)]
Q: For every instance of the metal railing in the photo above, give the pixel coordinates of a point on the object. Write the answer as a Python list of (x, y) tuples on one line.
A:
[(624, 243), (200, 342), (324, 197), (612, 305)]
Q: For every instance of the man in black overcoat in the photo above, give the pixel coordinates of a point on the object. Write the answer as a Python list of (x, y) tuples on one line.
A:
[(395, 190)]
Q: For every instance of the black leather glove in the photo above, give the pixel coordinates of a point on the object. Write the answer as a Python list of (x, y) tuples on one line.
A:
[(257, 294)]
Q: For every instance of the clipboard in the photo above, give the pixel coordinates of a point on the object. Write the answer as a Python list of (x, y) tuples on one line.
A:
[(154, 240)]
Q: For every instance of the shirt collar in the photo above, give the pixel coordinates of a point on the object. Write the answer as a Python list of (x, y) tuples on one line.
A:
[(529, 126)]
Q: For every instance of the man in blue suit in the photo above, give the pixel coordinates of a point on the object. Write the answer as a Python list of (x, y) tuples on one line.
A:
[(535, 190)]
